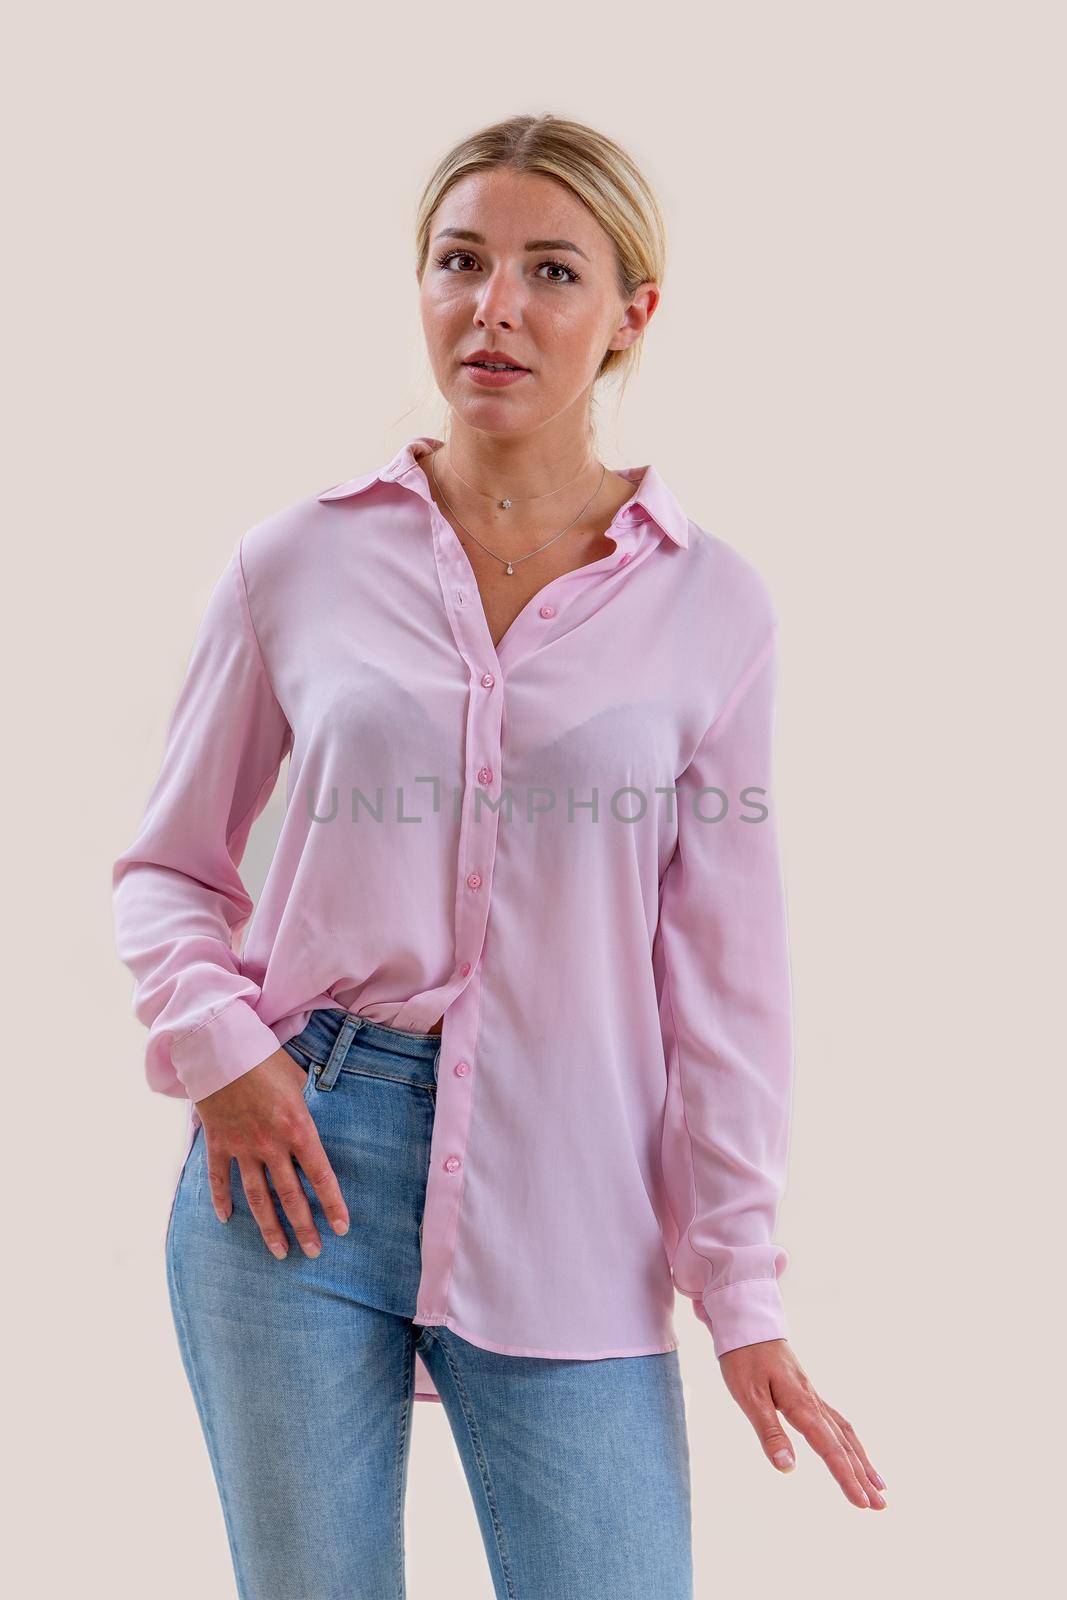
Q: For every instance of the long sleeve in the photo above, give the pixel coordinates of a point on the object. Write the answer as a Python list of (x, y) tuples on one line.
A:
[(178, 901), (726, 1015)]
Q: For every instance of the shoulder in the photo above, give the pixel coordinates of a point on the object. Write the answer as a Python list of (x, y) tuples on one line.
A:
[(725, 609), (728, 580), (302, 532)]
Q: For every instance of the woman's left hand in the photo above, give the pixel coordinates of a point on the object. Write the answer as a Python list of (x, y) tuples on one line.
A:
[(766, 1378)]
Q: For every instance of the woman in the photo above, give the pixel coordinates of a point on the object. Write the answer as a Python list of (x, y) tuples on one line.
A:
[(508, 1044)]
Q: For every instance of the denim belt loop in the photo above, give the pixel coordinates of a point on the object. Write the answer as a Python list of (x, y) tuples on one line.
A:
[(331, 1069)]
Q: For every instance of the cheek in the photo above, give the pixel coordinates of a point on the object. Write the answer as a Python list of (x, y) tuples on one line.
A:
[(571, 346), (444, 327), (440, 306), (574, 328)]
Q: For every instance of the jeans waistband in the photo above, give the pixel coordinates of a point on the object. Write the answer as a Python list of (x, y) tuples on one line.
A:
[(332, 1038)]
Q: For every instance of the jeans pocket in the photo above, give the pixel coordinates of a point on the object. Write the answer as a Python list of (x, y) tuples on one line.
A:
[(302, 1059)]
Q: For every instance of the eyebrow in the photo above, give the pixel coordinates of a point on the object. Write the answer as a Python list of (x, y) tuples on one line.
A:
[(531, 244)]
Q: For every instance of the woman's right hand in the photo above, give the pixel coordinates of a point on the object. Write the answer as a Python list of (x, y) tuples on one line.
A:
[(260, 1120)]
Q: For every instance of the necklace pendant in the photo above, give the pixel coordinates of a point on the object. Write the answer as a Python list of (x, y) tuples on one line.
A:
[(509, 569), (505, 505)]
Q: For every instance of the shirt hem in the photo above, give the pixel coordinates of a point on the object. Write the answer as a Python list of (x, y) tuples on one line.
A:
[(550, 1355)]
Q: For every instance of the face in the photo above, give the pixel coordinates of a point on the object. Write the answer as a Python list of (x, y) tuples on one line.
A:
[(516, 264)]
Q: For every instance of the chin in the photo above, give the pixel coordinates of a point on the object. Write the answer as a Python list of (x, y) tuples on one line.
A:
[(493, 413)]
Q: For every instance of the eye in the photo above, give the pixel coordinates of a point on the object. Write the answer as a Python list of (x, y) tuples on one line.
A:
[(445, 261), (562, 267), (451, 255)]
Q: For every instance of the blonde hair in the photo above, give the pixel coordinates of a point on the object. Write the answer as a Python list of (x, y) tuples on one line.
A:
[(596, 170)]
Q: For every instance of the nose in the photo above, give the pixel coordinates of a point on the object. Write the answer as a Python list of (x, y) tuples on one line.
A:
[(498, 304)]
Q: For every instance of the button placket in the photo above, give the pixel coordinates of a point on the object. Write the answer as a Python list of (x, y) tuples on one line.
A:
[(476, 857), (475, 860)]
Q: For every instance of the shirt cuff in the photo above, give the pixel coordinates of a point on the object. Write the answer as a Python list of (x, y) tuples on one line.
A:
[(747, 1312), (225, 1047)]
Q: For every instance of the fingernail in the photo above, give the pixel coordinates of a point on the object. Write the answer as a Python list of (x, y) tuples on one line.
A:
[(279, 1250), (784, 1459), (878, 1479)]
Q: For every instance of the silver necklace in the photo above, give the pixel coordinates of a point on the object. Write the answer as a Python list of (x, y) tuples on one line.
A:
[(507, 503), (509, 564)]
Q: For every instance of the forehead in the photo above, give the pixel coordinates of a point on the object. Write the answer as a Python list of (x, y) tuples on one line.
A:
[(502, 205)]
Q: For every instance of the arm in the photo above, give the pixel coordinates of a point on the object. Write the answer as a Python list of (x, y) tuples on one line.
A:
[(726, 1010), (177, 896), (179, 905), (726, 1017)]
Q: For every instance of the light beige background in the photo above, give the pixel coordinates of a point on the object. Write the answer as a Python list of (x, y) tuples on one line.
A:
[(856, 377)]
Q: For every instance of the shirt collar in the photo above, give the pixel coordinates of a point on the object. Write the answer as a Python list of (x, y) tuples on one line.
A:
[(651, 492)]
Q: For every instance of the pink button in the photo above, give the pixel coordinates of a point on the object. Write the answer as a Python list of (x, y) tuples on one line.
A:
[(548, 611), (487, 680), (474, 881), (485, 774), (452, 1164), (464, 970), (624, 559), (461, 1068)]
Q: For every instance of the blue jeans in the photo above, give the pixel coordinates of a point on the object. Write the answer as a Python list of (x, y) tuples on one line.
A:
[(302, 1372)]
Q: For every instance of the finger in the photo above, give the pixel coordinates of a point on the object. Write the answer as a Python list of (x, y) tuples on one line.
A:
[(759, 1409), (262, 1206), (219, 1172), (850, 1434), (877, 1503), (290, 1192), (309, 1151), (805, 1414)]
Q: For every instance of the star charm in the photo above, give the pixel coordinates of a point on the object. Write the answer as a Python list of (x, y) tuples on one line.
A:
[(504, 504)]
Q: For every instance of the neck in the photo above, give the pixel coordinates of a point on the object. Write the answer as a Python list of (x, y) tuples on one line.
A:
[(520, 466)]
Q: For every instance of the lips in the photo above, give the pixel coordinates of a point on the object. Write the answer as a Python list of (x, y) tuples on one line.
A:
[(495, 358), (494, 378)]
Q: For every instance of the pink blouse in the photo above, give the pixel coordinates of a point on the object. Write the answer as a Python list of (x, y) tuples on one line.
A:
[(562, 844)]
